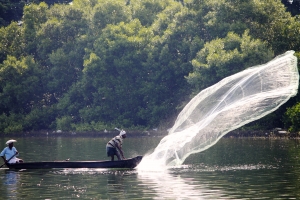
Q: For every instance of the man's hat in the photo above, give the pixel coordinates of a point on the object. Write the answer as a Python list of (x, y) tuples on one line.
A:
[(10, 141), (122, 133)]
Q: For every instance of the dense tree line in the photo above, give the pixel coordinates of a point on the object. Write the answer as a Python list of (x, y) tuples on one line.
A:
[(12, 10), (96, 64)]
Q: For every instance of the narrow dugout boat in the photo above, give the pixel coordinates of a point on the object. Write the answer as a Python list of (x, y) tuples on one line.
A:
[(127, 164)]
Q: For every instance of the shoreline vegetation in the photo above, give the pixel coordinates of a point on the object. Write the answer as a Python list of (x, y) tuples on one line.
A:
[(275, 133), (90, 64)]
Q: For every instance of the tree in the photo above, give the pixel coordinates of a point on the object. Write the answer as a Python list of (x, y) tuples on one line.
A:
[(108, 12), (11, 41), (113, 74), (98, 62), (19, 85), (34, 16), (223, 57), (62, 47), (292, 118), (168, 62), (146, 11), (10, 10)]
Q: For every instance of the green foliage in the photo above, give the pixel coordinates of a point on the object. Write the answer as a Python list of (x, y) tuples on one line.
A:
[(108, 12), (113, 73), (13, 127), (11, 123), (64, 123), (223, 57), (39, 118), (93, 63), (147, 10), (19, 84), (82, 127), (10, 10), (34, 16), (292, 118), (93, 126), (11, 41)]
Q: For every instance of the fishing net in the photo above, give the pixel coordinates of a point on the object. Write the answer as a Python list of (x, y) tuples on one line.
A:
[(228, 105)]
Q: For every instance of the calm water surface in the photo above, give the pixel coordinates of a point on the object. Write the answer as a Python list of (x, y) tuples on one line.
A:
[(232, 169)]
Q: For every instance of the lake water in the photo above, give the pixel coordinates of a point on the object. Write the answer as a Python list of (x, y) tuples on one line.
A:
[(231, 169)]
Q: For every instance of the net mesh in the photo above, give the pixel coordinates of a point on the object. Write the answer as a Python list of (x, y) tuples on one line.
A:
[(228, 105)]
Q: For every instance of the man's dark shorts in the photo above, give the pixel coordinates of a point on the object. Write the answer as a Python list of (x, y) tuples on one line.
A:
[(111, 151)]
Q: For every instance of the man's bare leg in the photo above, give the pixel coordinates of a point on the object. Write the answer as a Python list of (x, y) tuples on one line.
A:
[(118, 155)]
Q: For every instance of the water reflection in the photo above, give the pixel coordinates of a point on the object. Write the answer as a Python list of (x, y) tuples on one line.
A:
[(167, 186), (200, 181), (124, 184), (11, 180)]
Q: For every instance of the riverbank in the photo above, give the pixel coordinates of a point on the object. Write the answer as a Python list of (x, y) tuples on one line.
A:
[(86, 134), (152, 133), (276, 133)]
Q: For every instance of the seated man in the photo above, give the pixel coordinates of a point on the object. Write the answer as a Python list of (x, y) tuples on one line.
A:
[(9, 153), (114, 146)]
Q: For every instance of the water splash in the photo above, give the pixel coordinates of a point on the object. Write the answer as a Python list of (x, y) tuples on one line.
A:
[(233, 102)]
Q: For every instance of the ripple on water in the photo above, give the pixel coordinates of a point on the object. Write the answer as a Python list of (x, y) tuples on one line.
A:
[(206, 168), (88, 171)]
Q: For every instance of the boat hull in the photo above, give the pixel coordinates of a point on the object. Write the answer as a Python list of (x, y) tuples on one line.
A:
[(128, 163)]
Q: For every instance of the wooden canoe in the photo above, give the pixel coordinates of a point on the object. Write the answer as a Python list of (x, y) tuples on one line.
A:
[(127, 164)]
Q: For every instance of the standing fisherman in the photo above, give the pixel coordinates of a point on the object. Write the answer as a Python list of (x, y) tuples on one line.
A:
[(114, 146), (9, 153)]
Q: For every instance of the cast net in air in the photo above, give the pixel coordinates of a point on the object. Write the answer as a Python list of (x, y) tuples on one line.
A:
[(228, 105)]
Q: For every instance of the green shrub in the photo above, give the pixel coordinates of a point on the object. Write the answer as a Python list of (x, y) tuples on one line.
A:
[(81, 127), (11, 124), (13, 128), (64, 123), (292, 118)]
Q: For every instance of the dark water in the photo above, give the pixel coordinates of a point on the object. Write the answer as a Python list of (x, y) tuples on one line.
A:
[(232, 169)]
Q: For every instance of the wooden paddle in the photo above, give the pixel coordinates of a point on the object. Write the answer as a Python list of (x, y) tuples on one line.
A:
[(8, 160)]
